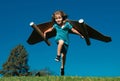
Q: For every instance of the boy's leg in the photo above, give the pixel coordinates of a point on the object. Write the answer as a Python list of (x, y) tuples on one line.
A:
[(63, 63), (63, 53), (60, 45), (63, 60)]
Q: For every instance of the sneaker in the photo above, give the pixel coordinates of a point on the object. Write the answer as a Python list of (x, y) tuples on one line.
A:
[(57, 58), (62, 71)]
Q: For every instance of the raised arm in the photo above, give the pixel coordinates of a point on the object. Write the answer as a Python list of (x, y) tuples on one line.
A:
[(76, 32)]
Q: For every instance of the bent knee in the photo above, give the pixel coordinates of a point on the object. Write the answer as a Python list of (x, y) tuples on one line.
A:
[(61, 42)]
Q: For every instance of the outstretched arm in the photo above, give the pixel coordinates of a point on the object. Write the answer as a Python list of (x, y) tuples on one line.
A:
[(49, 30), (76, 32)]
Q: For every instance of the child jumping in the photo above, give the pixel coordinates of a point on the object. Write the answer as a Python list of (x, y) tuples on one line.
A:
[(62, 28)]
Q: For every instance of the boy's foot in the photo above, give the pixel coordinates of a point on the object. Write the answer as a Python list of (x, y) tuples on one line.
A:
[(57, 58), (62, 71)]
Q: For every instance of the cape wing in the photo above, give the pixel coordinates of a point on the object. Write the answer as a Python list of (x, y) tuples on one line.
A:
[(88, 32), (35, 37)]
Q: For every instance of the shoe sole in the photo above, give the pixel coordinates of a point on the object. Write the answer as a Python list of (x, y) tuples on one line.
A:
[(57, 60)]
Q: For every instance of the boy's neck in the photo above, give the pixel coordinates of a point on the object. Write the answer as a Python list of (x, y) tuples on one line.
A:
[(61, 25)]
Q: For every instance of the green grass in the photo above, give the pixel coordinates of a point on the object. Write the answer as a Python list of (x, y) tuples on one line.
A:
[(60, 78)]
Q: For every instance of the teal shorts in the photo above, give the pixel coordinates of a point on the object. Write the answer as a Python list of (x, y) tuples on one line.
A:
[(64, 48)]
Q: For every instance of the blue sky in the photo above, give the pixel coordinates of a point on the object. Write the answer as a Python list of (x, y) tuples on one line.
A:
[(99, 59)]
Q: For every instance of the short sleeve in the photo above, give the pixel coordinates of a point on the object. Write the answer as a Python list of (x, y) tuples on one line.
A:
[(69, 25), (54, 25)]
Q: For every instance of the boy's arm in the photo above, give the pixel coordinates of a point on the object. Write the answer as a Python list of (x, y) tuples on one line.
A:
[(49, 30), (75, 31)]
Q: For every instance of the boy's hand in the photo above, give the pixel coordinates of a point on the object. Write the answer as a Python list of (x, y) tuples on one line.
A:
[(44, 34)]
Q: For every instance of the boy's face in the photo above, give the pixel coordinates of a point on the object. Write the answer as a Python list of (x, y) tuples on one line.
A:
[(58, 19)]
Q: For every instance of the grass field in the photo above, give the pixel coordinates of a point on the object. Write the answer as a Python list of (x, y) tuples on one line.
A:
[(60, 78)]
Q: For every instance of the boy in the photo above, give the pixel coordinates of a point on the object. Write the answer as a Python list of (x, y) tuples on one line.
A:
[(62, 30)]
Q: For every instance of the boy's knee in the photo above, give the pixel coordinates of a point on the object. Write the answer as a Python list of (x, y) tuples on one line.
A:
[(61, 42), (63, 55)]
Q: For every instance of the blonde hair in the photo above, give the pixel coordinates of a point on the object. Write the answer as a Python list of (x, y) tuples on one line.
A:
[(64, 16)]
